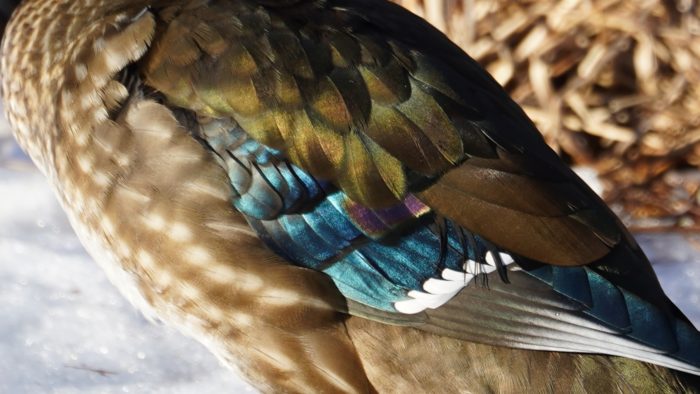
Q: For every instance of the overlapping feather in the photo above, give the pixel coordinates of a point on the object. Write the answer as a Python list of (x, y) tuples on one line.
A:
[(381, 114)]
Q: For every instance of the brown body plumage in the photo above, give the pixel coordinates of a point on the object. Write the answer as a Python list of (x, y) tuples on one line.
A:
[(91, 87)]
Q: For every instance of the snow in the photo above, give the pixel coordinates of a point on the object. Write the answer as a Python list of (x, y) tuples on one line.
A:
[(65, 329), (676, 260)]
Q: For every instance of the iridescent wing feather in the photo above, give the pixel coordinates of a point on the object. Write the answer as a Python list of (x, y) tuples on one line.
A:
[(388, 159)]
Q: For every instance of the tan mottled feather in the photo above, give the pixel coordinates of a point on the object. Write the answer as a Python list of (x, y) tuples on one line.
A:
[(140, 180)]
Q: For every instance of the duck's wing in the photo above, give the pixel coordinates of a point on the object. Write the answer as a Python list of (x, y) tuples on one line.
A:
[(362, 143), (370, 98)]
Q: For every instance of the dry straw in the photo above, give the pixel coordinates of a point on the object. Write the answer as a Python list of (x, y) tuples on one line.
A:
[(611, 83)]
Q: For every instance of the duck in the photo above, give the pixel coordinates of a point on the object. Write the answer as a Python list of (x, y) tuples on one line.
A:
[(333, 197)]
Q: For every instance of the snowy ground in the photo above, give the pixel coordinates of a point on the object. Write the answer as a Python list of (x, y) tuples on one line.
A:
[(64, 328)]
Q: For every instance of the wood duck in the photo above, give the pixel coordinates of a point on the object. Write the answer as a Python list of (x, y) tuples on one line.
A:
[(333, 197)]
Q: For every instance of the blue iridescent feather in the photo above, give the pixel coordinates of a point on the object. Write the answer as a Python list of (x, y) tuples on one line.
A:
[(379, 257), (374, 256)]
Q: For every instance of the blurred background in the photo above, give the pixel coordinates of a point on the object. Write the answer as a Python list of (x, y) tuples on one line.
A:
[(614, 86)]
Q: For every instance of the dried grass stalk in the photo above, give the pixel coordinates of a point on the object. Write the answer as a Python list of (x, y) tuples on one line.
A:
[(610, 83)]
